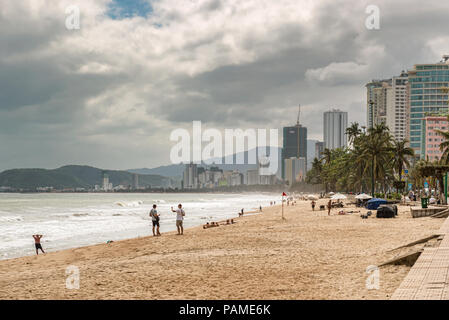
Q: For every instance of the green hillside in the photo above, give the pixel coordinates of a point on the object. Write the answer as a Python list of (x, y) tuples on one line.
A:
[(71, 177)]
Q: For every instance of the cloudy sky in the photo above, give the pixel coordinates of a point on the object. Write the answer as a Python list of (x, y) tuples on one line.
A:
[(110, 93)]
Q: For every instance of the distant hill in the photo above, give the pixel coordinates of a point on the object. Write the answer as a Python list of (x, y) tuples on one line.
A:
[(72, 177)]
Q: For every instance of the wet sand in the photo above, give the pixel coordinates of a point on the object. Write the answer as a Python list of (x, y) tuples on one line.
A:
[(310, 255)]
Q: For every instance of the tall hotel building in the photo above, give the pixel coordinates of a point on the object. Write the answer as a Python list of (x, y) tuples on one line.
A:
[(334, 129), (387, 102), (426, 99), (377, 91)]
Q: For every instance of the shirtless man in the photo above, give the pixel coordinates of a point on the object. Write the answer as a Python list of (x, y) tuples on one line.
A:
[(329, 207), (37, 243)]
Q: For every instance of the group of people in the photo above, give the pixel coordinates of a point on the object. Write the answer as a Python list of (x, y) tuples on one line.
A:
[(329, 206), (155, 217)]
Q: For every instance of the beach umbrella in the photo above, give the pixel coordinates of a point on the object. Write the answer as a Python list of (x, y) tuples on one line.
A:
[(338, 196), (312, 197), (363, 196)]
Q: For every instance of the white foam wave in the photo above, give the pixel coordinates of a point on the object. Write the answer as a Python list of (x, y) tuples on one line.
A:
[(11, 219)]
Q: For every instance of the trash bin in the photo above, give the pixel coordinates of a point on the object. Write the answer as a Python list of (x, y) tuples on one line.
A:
[(424, 202)]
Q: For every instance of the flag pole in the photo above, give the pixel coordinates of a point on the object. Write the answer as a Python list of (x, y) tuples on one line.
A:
[(283, 194)]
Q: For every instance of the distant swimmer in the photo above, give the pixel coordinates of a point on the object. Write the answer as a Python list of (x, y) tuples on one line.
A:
[(180, 213), (155, 219), (37, 243)]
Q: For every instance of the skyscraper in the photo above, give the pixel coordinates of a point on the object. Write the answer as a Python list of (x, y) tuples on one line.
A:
[(396, 109), (426, 98), (334, 129), (376, 97), (387, 104), (135, 181), (294, 143)]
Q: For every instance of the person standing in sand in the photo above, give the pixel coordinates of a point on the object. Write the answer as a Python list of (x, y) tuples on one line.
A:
[(329, 207), (37, 243), (313, 205), (180, 213), (155, 219)]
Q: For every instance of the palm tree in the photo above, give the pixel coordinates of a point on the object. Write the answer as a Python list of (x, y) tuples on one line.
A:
[(326, 156), (353, 132), (375, 152), (401, 153)]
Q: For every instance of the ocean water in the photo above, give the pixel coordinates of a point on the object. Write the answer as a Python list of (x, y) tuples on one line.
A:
[(79, 219)]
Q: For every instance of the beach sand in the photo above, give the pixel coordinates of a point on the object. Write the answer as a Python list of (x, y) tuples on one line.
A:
[(310, 255)]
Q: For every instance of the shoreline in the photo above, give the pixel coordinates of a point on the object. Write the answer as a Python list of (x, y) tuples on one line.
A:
[(149, 226), (308, 256)]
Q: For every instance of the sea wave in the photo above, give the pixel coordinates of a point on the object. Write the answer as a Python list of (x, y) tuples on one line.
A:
[(11, 219), (129, 204)]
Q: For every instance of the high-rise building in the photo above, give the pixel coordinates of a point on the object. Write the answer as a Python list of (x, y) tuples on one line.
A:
[(106, 184), (294, 143), (295, 170), (432, 138), (190, 177), (387, 102), (135, 181), (376, 98), (335, 125), (396, 109), (426, 98), (319, 148)]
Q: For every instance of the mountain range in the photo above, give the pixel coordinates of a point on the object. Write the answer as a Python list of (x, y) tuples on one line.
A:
[(72, 176)]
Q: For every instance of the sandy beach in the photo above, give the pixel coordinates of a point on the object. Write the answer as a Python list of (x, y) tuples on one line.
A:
[(310, 255)]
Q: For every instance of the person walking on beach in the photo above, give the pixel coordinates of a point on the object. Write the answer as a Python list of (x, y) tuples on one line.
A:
[(155, 219), (180, 213), (329, 207), (37, 243), (313, 205)]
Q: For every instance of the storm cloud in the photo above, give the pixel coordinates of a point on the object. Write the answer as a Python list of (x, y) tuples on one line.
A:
[(110, 93)]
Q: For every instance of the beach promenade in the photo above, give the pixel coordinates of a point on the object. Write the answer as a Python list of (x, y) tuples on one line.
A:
[(310, 255), (428, 278)]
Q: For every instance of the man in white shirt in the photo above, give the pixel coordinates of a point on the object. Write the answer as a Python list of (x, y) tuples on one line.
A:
[(180, 213)]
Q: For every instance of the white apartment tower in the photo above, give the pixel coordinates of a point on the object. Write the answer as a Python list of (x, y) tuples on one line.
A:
[(334, 129), (387, 102), (397, 102)]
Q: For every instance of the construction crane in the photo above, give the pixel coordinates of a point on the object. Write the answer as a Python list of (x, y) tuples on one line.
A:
[(299, 113)]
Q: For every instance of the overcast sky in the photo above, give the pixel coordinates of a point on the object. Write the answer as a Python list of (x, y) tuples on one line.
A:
[(110, 93)]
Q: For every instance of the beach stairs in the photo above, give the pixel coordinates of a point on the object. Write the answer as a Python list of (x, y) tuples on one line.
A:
[(441, 214), (428, 279), (418, 212)]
